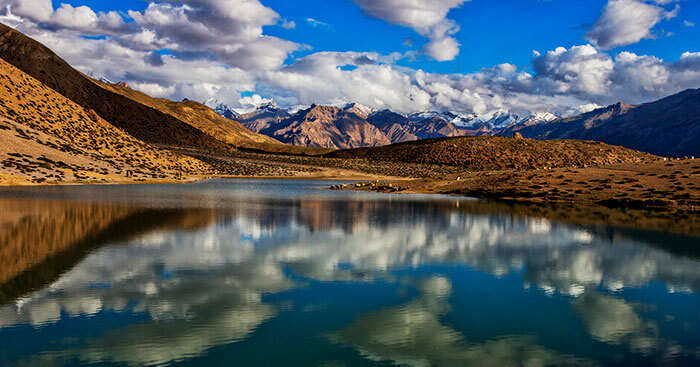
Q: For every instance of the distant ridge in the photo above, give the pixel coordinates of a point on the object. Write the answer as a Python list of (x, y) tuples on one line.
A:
[(274, 121), (668, 127)]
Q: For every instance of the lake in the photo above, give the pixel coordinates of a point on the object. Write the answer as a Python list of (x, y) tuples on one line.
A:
[(288, 273)]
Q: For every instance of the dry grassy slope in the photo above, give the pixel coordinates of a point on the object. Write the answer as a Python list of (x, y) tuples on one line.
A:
[(495, 153), (141, 121), (210, 122), (196, 115), (47, 137)]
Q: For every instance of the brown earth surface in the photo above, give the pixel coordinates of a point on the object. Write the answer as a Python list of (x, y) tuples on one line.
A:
[(492, 153), (48, 138), (207, 120)]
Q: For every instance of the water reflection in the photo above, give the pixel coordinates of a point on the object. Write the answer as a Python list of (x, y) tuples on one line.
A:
[(413, 335), (193, 278)]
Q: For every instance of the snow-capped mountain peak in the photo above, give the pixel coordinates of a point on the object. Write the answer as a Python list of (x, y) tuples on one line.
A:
[(544, 116), (222, 109), (491, 121), (538, 118), (269, 106), (359, 109)]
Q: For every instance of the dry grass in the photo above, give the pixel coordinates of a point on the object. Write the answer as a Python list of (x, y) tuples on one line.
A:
[(198, 116), (48, 138), (142, 122), (496, 153)]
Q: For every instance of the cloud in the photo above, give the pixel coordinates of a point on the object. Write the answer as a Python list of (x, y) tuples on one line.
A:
[(230, 30), (688, 23), (428, 18), (625, 22), (226, 54), (577, 70), (317, 23), (81, 18), (561, 80), (584, 108), (38, 10), (288, 24)]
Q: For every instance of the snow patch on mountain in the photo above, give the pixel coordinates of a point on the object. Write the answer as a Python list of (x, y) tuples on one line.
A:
[(222, 109), (358, 109), (538, 118)]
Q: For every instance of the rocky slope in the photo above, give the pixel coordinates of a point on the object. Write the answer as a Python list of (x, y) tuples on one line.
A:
[(396, 128), (669, 127), (326, 127), (264, 117), (399, 128)]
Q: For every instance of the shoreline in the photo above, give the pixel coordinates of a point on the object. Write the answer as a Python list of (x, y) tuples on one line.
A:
[(662, 195), (329, 174), (664, 219)]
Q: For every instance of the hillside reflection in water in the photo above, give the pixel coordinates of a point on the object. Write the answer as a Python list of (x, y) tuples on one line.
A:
[(288, 274)]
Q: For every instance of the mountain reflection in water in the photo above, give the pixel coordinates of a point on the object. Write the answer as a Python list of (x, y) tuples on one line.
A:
[(216, 273)]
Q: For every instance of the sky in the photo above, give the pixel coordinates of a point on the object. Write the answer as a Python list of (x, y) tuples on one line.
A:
[(471, 56)]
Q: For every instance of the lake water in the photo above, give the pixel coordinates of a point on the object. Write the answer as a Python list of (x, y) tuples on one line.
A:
[(288, 273)]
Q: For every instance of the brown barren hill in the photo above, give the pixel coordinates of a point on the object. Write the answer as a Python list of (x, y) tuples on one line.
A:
[(141, 121), (497, 153), (49, 138)]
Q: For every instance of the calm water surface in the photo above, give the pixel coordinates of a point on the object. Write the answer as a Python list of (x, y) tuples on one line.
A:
[(286, 273)]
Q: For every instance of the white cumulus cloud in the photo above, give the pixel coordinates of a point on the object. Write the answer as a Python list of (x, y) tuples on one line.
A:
[(625, 22), (427, 17)]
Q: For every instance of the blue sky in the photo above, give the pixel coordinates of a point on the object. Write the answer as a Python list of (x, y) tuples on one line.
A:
[(492, 32), (450, 62)]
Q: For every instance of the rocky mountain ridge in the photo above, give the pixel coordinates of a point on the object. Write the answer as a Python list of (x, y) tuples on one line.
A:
[(279, 123), (669, 126)]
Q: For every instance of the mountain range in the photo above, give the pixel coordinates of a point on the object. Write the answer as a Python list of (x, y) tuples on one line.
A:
[(668, 127), (354, 125), (60, 125)]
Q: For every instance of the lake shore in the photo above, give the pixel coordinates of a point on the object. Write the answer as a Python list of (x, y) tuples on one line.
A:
[(320, 173), (663, 195)]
